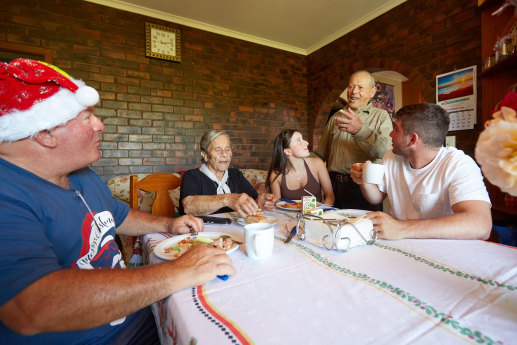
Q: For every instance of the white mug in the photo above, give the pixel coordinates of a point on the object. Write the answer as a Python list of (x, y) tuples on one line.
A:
[(373, 173), (259, 239)]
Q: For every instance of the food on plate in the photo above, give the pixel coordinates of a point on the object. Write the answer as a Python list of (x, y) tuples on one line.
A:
[(223, 242), (294, 205), (255, 219)]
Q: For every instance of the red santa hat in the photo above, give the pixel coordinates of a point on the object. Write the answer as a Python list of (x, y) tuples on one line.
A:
[(35, 96)]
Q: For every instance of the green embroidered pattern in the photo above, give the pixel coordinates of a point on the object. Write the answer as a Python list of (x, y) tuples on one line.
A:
[(412, 301), (446, 269), (290, 215)]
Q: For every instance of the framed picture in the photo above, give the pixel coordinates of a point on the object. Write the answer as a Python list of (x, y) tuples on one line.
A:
[(11, 51), (162, 42), (384, 97)]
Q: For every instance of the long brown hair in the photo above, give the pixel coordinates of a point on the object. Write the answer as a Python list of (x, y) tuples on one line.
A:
[(280, 164)]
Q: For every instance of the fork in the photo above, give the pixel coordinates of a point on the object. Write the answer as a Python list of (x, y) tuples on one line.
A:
[(234, 241), (289, 234)]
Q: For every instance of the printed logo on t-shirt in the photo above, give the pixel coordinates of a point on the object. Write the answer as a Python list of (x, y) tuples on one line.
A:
[(99, 248)]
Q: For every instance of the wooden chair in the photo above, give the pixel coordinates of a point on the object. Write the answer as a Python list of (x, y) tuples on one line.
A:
[(160, 184)]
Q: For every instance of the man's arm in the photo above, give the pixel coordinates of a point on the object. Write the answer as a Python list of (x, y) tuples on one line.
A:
[(73, 299), (139, 223), (471, 220)]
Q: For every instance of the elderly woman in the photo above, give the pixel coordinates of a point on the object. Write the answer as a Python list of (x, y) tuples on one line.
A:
[(216, 188)]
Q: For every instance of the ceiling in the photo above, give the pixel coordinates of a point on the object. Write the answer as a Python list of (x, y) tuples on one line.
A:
[(298, 26)]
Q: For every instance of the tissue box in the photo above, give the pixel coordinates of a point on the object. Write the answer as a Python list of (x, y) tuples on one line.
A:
[(335, 231)]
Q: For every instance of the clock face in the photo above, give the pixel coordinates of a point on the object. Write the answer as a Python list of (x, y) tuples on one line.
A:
[(162, 42)]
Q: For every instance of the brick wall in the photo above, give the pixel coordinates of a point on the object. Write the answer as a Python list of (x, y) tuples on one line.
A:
[(155, 111), (419, 39)]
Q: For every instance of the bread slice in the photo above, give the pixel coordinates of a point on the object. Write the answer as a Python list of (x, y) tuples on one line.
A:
[(255, 219)]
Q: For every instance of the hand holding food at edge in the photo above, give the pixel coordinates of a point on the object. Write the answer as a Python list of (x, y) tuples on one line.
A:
[(204, 263)]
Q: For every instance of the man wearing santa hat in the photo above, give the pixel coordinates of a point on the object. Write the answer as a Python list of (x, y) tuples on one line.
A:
[(61, 272)]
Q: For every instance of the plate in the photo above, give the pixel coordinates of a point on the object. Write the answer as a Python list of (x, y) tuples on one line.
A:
[(270, 220), (281, 204), (160, 249), (351, 213)]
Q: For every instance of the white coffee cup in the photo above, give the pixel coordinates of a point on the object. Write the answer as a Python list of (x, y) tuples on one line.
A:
[(259, 239), (372, 173)]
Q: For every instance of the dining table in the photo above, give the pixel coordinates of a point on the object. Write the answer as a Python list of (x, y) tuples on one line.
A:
[(410, 291)]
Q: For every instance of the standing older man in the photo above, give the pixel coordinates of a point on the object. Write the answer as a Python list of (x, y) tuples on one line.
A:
[(435, 191), (61, 272), (357, 133)]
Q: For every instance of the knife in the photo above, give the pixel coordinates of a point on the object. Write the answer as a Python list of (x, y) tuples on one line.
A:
[(287, 201), (291, 235)]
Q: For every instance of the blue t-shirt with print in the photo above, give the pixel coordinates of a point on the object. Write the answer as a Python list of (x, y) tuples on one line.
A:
[(45, 228)]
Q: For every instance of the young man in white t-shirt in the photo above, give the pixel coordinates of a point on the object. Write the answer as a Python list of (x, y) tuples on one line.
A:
[(434, 191)]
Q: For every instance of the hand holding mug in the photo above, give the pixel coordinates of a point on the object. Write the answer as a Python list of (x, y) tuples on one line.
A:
[(372, 173)]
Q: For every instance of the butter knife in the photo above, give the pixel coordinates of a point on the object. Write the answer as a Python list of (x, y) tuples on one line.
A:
[(291, 235)]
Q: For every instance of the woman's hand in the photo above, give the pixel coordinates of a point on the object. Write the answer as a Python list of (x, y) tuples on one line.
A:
[(267, 201), (242, 203)]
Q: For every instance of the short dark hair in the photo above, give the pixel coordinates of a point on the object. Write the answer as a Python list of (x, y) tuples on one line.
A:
[(430, 121)]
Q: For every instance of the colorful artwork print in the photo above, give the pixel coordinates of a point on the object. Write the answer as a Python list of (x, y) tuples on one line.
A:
[(384, 98), (456, 85)]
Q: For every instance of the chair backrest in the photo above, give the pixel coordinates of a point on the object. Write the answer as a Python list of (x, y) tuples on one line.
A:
[(160, 184)]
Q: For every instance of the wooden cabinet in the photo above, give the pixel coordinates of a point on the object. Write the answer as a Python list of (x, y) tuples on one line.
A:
[(495, 83)]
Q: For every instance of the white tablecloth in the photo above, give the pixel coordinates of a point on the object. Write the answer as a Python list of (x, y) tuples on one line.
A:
[(392, 292)]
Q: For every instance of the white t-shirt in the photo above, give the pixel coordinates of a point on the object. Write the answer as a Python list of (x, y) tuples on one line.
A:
[(431, 191)]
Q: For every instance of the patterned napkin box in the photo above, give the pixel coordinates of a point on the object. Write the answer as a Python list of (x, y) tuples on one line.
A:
[(335, 231)]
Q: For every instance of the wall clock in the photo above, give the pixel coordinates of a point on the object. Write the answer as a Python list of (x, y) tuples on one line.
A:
[(162, 42)]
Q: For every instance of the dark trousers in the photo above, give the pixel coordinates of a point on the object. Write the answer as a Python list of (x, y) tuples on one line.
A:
[(141, 331), (348, 194)]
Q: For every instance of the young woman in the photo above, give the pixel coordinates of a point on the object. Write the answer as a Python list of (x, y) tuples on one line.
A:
[(292, 170)]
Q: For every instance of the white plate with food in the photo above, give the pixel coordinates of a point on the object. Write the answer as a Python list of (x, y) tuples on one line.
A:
[(257, 219), (289, 206), (172, 248), (351, 213)]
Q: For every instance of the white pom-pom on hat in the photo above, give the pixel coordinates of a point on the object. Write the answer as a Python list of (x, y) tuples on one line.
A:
[(87, 96)]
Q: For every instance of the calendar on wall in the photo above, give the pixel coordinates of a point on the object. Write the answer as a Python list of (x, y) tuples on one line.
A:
[(456, 93)]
